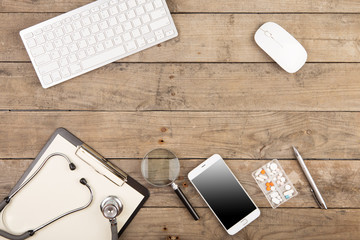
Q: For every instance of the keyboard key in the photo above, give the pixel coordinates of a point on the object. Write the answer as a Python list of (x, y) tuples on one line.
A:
[(49, 46), (158, 3), (103, 57), (90, 51), (113, 10), (112, 22), (145, 18), (65, 72), (91, 40), (45, 58), (159, 23), (55, 55), (81, 54), (109, 33), (68, 28), (49, 67), (47, 79), (108, 44), (82, 44), (140, 2), (122, 7), (145, 29), (95, 9), (130, 14), (85, 32), (56, 24), (73, 47), (77, 25), (72, 58), (36, 51), (131, 3), (104, 5), (47, 28), (76, 17), (159, 34), (100, 47), (76, 36), (85, 13), (117, 40), (127, 37), (104, 25), (122, 18), (104, 14), (49, 36), (63, 62), (127, 26), (86, 21), (113, 2), (59, 32), (136, 22), (100, 37), (130, 46), (118, 29), (136, 33), (39, 39), (28, 35), (95, 17), (58, 43), (31, 43), (37, 31), (140, 11), (141, 42), (169, 33), (56, 76), (95, 28), (158, 13), (67, 20), (149, 7), (67, 39)]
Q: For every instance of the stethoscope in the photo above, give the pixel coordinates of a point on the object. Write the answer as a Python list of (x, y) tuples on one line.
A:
[(111, 207)]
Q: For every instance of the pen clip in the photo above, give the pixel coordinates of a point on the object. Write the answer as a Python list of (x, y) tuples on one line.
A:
[(316, 199)]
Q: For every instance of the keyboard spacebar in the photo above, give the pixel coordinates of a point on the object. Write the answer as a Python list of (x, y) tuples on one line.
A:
[(103, 57)]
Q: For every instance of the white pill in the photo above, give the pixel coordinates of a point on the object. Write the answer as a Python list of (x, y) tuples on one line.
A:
[(278, 182), (290, 192), (273, 188), (259, 179), (282, 179), (258, 172), (280, 174), (268, 165), (275, 200), (273, 166), (274, 194), (287, 187), (263, 176)]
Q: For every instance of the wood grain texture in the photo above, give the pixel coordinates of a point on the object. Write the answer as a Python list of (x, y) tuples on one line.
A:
[(187, 87), (249, 135), (219, 37), (255, 6), (337, 181), (280, 224)]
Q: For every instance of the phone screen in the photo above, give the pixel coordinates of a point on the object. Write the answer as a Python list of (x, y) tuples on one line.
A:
[(223, 193)]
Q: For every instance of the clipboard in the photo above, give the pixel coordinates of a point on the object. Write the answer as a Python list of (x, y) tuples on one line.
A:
[(55, 190)]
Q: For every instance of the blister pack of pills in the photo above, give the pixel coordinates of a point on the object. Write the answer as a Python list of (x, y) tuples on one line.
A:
[(274, 183)]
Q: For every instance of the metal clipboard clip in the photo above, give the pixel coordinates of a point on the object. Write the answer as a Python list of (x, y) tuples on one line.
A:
[(85, 152)]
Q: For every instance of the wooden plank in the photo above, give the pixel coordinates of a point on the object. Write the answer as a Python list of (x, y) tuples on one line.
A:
[(337, 181), (225, 87), (280, 224), (255, 6), (250, 135), (220, 37)]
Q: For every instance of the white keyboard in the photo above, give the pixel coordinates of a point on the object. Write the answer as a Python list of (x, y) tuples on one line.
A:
[(94, 35)]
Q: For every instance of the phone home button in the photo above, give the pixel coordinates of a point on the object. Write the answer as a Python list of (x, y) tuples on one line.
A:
[(244, 222)]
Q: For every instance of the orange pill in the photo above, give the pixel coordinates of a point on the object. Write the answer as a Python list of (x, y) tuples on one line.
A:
[(267, 184), (271, 183), (263, 171), (268, 188)]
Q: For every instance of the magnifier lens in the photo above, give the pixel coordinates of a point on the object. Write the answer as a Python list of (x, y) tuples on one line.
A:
[(160, 167)]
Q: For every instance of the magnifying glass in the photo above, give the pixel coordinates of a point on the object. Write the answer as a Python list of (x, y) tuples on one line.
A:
[(160, 168)]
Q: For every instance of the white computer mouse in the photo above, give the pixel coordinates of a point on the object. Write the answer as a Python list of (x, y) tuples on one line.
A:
[(281, 46)]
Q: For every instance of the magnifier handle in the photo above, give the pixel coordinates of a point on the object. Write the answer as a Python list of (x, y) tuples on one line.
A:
[(4, 203), (185, 201)]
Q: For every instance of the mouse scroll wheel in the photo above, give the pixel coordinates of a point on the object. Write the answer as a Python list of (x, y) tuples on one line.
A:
[(268, 34)]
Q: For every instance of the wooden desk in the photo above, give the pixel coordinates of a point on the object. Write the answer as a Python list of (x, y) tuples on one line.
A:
[(210, 90)]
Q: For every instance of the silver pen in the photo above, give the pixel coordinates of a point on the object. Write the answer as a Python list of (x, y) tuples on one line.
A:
[(314, 190)]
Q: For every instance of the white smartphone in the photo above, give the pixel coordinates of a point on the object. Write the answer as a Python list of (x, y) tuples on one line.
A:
[(224, 195)]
